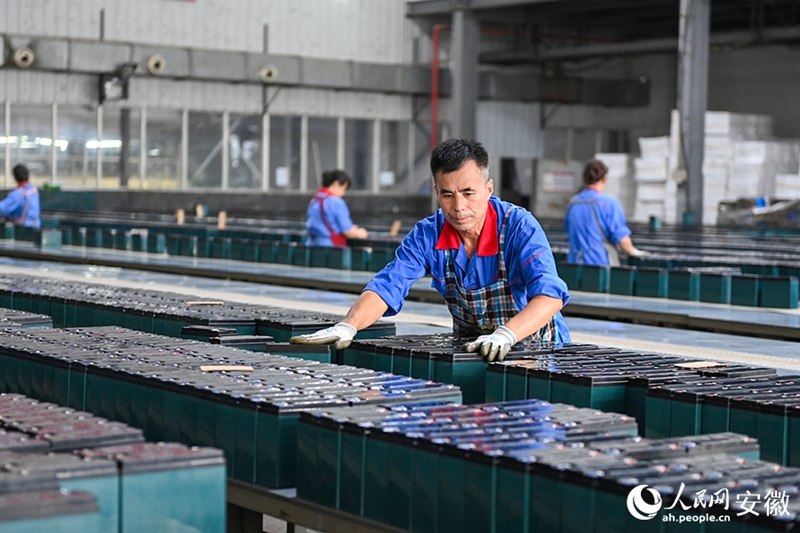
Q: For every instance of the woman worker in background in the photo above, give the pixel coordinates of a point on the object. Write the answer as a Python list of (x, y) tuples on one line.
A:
[(328, 218), (595, 223)]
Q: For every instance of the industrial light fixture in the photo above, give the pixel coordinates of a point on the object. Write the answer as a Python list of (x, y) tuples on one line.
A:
[(114, 85)]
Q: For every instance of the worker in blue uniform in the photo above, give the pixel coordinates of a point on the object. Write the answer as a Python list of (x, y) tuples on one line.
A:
[(21, 206), (328, 218), (489, 259), (595, 224)]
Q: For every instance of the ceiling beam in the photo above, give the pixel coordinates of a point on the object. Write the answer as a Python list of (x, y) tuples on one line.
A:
[(426, 8), (651, 46)]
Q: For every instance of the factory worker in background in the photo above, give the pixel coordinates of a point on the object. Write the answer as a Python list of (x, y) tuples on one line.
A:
[(595, 224), (328, 218)]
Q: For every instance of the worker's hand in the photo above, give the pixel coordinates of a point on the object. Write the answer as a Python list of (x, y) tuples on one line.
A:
[(641, 253), (494, 346), (340, 335)]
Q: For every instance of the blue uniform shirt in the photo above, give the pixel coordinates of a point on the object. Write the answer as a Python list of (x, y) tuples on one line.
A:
[(529, 260), (582, 230), (336, 214), (13, 206)]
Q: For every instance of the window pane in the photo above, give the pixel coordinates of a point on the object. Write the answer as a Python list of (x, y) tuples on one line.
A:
[(163, 149), (394, 175), (76, 140), (30, 140), (422, 179), (322, 133), (284, 152), (205, 149), (358, 153), (245, 150), (111, 146)]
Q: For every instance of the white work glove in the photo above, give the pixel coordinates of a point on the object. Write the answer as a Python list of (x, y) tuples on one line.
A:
[(340, 335), (641, 253), (496, 345)]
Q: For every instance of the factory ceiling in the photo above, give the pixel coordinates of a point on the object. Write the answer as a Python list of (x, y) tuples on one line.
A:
[(520, 32)]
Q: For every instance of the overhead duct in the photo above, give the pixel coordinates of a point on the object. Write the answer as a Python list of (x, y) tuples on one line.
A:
[(156, 64), (268, 73), (23, 57)]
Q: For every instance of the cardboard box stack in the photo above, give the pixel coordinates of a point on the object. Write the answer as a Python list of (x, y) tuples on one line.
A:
[(740, 159)]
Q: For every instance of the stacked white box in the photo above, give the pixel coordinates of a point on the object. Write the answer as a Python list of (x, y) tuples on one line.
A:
[(787, 186)]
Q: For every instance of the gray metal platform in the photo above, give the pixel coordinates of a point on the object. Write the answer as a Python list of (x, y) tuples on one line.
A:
[(770, 323), (426, 318)]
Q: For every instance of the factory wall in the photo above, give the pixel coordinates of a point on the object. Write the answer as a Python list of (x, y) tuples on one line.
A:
[(359, 30), (762, 80)]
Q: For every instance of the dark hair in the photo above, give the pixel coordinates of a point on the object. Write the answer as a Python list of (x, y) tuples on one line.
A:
[(329, 176), (21, 173), (594, 171), (451, 155)]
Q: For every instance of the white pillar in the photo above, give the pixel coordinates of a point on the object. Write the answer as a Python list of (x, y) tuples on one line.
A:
[(99, 154), (340, 140), (53, 147), (226, 149), (142, 147), (303, 153), (185, 149)]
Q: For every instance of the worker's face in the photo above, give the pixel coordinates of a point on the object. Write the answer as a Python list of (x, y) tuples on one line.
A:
[(464, 197)]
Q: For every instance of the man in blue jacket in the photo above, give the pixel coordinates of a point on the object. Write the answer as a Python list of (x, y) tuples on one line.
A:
[(489, 259), (21, 206)]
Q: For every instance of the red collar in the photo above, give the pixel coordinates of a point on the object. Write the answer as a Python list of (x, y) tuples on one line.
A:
[(23, 184), (324, 190), (488, 243)]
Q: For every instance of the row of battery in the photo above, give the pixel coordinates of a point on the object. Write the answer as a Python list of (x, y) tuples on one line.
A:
[(69, 471), (668, 395), (200, 394), (78, 304), (665, 397), (531, 466)]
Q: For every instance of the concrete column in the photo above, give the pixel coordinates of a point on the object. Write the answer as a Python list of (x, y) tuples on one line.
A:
[(693, 44), (464, 68)]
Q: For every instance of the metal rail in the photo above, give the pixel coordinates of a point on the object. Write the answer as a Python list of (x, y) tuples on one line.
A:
[(282, 504)]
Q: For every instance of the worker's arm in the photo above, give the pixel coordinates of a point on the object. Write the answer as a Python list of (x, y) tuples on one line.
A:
[(356, 232), (627, 246), (11, 206), (539, 310), (534, 316), (369, 307)]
